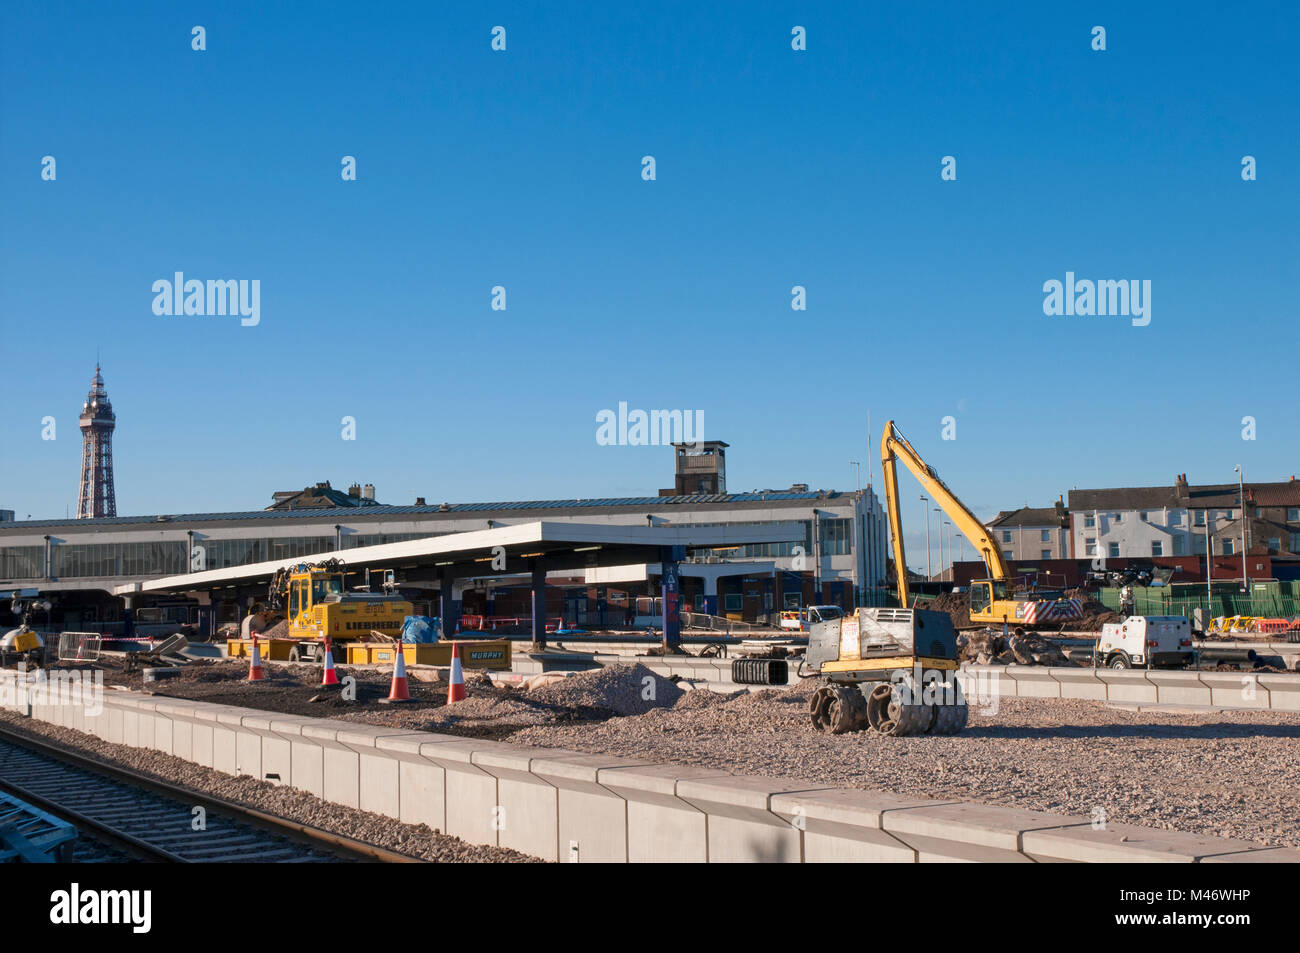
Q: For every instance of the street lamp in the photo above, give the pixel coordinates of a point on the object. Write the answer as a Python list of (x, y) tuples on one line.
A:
[(940, 512), (1245, 530), (928, 571), (946, 523)]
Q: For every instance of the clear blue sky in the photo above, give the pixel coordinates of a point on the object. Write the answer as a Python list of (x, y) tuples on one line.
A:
[(522, 169)]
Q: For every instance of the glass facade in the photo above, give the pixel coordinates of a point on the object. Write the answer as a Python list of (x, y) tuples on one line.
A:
[(117, 559), (164, 558), (22, 562)]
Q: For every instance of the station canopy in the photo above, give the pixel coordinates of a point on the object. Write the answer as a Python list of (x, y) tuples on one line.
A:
[(543, 544)]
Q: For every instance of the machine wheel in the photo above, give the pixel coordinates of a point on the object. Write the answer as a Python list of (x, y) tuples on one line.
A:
[(819, 709), (1293, 637), (838, 709), (949, 719), (1119, 660), (295, 655), (887, 716)]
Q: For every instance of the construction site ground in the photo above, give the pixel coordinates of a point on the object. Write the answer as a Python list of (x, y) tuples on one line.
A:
[(1232, 774)]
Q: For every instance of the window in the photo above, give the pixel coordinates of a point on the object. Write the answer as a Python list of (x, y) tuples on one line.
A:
[(1143, 516), (1006, 536), (733, 602), (1227, 547), (1295, 543), (1045, 554), (1200, 517), (1089, 522), (1157, 547), (1089, 546), (1274, 544), (1117, 517), (1293, 514), (1006, 554), (1180, 545), (1045, 535), (1113, 550), (1198, 545)]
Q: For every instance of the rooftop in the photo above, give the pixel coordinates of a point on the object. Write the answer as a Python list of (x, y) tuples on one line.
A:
[(380, 510)]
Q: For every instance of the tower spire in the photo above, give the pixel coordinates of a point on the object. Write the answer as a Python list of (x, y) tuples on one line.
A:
[(97, 497)]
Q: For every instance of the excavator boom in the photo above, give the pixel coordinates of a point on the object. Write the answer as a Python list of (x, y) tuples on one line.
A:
[(893, 447)]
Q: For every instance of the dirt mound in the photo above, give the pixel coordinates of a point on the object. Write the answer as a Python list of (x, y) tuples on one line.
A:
[(1095, 615), (623, 689), (278, 631), (956, 604)]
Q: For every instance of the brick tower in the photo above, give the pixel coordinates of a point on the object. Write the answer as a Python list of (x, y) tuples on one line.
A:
[(97, 423)]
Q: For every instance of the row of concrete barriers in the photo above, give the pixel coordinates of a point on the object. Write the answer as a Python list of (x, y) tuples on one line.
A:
[(1265, 691), (566, 805)]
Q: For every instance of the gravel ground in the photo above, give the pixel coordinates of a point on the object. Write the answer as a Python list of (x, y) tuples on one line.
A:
[(1235, 774), (416, 840), (488, 711)]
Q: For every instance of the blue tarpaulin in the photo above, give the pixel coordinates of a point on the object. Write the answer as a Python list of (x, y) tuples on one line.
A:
[(421, 629)]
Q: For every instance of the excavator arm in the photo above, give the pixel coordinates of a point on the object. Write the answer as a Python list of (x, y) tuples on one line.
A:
[(893, 446)]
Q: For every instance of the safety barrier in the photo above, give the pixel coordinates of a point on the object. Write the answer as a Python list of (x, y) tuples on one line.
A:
[(569, 806), (1265, 691)]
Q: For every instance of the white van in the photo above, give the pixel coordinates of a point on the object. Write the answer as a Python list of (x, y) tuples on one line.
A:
[(1154, 641)]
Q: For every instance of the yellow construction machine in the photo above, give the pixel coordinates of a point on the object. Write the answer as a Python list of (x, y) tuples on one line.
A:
[(993, 601), (317, 603)]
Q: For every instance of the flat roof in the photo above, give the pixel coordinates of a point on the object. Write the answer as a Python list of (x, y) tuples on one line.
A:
[(561, 545), (357, 512)]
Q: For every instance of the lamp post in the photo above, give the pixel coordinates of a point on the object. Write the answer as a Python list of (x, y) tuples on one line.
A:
[(1245, 530), (928, 571), (855, 463), (940, 512)]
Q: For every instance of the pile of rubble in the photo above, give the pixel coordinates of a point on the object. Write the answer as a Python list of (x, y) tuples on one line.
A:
[(990, 647)]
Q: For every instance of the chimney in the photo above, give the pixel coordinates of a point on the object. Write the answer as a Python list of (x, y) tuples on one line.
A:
[(419, 501), (355, 490), (1060, 509), (1181, 489), (369, 491)]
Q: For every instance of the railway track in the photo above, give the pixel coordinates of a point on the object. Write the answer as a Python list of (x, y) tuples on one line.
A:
[(139, 818)]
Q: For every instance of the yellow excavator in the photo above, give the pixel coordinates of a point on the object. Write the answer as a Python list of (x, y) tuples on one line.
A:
[(993, 601)]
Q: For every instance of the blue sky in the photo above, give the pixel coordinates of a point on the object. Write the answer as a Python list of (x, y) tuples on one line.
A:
[(522, 168)]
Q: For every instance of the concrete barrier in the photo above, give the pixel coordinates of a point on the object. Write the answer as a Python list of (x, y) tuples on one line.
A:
[(1283, 691), (563, 805), (661, 827), (969, 832), (592, 824), (846, 826), (1124, 843), (1032, 681), (1175, 688), (1128, 685), (1080, 683), (742, 827), (1238, 689)]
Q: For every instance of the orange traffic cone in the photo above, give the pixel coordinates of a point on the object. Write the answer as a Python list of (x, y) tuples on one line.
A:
[(255, 663), (400, 691), (456, 686), (329, 676)]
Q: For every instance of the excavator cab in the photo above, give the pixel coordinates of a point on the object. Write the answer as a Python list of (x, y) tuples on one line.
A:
[(984, 592)]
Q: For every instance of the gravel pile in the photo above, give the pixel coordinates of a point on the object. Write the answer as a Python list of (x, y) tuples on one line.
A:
[(622, 689), (1235, 774), (417, 840)]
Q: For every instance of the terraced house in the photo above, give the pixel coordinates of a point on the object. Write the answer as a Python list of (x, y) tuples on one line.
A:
[(1182, 520)]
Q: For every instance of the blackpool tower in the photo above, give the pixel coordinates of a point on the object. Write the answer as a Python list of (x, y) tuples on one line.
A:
[(97, 422)]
